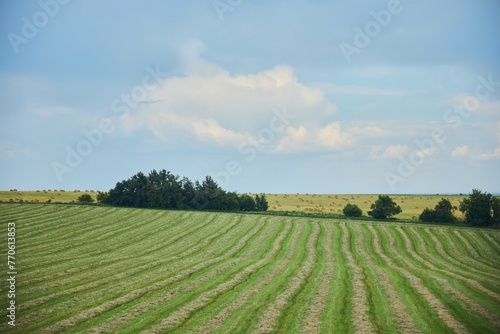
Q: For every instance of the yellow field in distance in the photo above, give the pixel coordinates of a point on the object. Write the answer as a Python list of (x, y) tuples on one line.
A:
[(412, 205)]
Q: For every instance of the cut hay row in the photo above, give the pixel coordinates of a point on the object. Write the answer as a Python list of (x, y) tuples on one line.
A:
[(482, 246), (180, 315), (145, 280), (100, 270), (417, 281), (360, 311), (139, 308), (268, 320), (85, 265), (139, 288), (426, 265), (398, 310), (312, 323), (443, 279), (109, 272), (220, 318), (253, 296), (441, 248)]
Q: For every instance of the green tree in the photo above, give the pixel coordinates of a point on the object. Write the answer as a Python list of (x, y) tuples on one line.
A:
[(247, 203), (428, 215), (384, 207), (102, 197), (85, 198), (479, 208), (352, 210), (261, 202), (442, 213), (495, 206)]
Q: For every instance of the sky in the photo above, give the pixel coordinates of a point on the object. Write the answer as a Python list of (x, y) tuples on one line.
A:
[(393, 97)]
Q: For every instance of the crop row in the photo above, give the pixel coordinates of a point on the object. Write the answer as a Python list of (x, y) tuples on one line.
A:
[(99, 269)]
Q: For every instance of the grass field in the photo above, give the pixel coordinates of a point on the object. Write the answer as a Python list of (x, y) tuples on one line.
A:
[(412, 205), (42, 196), (101, 269)]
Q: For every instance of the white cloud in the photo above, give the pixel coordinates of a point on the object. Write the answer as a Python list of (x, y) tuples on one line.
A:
[(332, 137), (392, 151), (211, 106), (427, 152), (460, 151), (490, 155), (211, 131), (296, 139)]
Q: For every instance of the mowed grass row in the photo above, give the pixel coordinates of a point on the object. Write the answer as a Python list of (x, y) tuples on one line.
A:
[(100, 269)]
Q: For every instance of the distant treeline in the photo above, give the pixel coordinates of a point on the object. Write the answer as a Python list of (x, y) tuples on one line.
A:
[(163, 190)]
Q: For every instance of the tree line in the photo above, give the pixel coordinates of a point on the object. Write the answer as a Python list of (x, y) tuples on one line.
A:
[(164, 190), (479, 209)]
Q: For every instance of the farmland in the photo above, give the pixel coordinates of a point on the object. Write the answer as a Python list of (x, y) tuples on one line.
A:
[(412, 205), (102, 269)]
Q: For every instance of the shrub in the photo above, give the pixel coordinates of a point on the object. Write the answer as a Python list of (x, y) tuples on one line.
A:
[(85, 198), (352, 210), (102, 197), (428, 215)]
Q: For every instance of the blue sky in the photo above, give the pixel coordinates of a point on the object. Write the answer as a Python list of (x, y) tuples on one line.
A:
[(265, 96)]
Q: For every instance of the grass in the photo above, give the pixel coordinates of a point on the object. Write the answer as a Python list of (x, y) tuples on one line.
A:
[(104, 269), (412, 205)]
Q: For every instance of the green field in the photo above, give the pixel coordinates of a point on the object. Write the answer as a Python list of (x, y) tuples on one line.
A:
[(412, 205), (42, 196), (100, 269)]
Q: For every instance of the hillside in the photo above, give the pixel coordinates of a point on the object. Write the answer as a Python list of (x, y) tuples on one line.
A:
[(95, 269)]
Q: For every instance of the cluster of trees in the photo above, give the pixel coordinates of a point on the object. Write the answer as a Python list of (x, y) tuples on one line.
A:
[(384, 207), (163, 190), (479, 209), (442, 213)]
